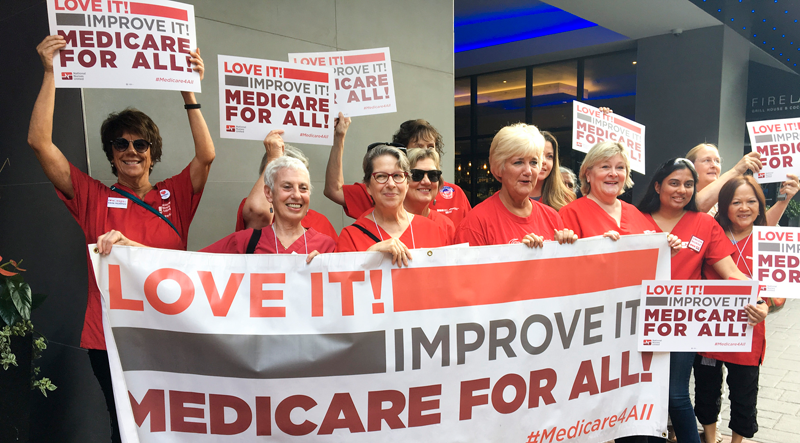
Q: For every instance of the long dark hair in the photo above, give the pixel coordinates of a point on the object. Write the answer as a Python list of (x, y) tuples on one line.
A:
[(726, 197), (651, 202)]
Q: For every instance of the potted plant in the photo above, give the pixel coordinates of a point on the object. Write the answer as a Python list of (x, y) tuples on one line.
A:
[(18, 349)]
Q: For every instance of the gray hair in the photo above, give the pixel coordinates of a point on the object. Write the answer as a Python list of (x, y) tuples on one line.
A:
[(379, 151), (572, 177), (288, 150), (518, 139), (285, 162)]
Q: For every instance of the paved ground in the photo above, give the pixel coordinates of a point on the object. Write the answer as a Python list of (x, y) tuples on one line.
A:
[(779, 392)]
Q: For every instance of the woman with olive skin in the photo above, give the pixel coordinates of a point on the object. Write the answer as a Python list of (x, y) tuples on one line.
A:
[(742, 206), (670, 206), (132, 144), (389, 227), (510, 215)]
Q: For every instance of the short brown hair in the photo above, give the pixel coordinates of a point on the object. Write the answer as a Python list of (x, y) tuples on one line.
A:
[(135, 122), (412, 130)]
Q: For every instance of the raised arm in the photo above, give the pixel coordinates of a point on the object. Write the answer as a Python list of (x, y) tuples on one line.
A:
[(334, 177), (789, 187), (708, 196), (256, 211), (203, 145), (40, 131)]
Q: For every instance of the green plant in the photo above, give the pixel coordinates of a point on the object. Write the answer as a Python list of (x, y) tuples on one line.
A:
[(793, 209), (16, 303)]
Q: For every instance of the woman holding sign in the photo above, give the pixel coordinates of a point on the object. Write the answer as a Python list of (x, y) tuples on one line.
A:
[(132, 144), (389, 227), (510, 215), (669, 204), (741, 206)]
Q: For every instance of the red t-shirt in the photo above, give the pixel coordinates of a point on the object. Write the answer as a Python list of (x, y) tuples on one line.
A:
[(236, 243), (446, 227), (450, 201), (421, 233), (587, 219), (490, 223), (313, 219), (744, 261), (704, 242), (97, 214)]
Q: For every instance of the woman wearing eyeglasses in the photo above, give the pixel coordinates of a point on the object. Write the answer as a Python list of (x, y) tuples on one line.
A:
[(669, 204), (389, 227), (156, 215), (424, 183), (510, 215)]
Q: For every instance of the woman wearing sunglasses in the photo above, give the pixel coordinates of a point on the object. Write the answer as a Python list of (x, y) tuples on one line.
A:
[(510, 215), (669, 204), (156, 215), (389, 227), (424, 183)]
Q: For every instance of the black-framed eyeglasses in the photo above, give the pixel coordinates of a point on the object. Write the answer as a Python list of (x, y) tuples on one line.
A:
[(434, 175), (121, 144), (392, 144), (383, 177)]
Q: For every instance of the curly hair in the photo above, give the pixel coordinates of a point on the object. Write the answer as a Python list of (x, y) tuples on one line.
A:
[(413, 130), (135, 122)]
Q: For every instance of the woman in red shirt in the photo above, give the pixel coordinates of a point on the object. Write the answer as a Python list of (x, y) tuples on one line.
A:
[(669, 204), (510, 215), (389, 227), (424, 183), (741, 206)]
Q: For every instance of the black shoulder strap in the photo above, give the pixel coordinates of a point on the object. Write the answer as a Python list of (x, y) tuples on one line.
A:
[(368, 234), (254, 237), (139, 202)]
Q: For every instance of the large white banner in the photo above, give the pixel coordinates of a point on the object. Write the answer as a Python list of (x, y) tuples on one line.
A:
[(363, 78), (257, 96), (498, 343), (591, 126), (778, 142), (776, 261), (141, 44), (696, 316)]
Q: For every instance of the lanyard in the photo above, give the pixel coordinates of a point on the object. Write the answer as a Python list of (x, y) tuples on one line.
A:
[(276, 240), (741, 252), (413, 245)]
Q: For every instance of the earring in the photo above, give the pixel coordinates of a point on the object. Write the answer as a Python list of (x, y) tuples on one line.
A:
[(270, 209), (434, 202)]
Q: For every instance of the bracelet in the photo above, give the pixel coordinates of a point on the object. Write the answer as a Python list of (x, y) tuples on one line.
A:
[(192, 106)]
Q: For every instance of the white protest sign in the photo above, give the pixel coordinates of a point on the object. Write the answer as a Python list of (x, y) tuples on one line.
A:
[(778, 142), (124, 44), (590, 126), (352, 349), (363, 78), (776, 261), (696, 315), (257, 96)]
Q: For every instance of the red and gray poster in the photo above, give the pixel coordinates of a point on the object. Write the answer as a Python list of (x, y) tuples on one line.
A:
[(119, 44), (591, 126), (778, 142)]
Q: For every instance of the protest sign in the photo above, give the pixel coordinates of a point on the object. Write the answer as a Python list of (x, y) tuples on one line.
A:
[(363, 78), (696, 315), (350, 348), (257, 96), (776, 261), (124, 44), (590, 126), (778, 142)]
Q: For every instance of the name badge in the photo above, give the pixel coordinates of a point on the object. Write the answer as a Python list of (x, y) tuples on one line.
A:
[(116, 202)]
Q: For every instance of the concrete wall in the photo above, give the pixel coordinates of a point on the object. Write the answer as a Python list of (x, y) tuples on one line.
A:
[(35, 225), (690, 89), (419, 33)]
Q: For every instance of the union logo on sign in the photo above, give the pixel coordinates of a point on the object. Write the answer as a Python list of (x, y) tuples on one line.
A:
[(230, 128), (66, 76), (761, 175), (648, 342)]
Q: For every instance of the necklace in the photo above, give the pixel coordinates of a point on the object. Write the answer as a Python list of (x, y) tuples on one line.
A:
[(413, 245), (741, 250), (276, 239)]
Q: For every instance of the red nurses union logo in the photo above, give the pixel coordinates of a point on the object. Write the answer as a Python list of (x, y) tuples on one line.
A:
[(761, 175), (647, 342), (447, 192), (230, 128), (164, 194), (66, 76)]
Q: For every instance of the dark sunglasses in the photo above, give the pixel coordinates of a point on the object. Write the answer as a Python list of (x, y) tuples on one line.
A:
[(121, 144), (395, 145), (434, 175)]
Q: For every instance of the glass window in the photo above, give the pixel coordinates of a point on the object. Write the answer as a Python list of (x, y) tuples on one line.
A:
[(485, 183), (462, 160), (501, 100), (554, 83), (462, 102), (610, 80)]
